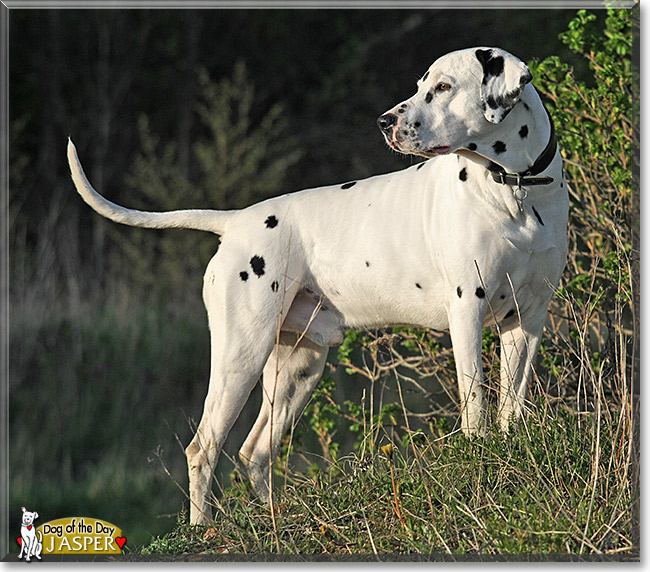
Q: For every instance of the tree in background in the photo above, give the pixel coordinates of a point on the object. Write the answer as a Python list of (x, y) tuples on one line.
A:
[(236, 162)]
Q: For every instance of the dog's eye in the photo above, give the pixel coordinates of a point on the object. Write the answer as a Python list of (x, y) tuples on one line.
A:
[(442, 86)]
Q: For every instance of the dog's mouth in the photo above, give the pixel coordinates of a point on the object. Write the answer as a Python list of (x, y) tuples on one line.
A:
[(403, 147)]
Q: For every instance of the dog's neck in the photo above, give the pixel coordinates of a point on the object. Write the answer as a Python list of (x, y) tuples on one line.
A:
[(522, 144)]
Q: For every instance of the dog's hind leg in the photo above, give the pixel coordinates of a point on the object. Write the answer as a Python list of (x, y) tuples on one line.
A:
[(291, 374), (232, 378), (244, 317)]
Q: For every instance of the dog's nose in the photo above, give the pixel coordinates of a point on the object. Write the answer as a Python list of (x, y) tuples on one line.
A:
[(386, 121)]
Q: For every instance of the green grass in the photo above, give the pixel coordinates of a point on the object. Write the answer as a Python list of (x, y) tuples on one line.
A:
[(86, 427), (557, 485)]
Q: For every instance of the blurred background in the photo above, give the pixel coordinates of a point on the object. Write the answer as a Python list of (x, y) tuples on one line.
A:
[(109, 346)]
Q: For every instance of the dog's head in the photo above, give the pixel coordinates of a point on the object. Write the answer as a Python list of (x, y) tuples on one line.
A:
[(29, 517), (459, 96)]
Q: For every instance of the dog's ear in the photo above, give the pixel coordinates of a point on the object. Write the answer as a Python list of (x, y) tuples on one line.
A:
[(504, 79), (23, 508)]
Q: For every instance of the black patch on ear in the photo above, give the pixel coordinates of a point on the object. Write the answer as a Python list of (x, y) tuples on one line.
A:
[(348, 185), (472, 146), (275, 285), (463, 174), (480, 293), (459, 291), (491, 65), (257, 264), (491, 102), (499, 147), (510, 313), (523, 132), (539, 218), (271, 221), (243, 275)]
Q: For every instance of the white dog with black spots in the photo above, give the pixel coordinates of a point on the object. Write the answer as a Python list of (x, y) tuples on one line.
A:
[(475, 235)]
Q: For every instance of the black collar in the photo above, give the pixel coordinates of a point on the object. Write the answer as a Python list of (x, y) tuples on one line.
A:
[(527, 178)]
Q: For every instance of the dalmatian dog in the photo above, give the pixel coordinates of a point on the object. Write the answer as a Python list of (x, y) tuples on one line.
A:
[(473, 236), (31, 543)]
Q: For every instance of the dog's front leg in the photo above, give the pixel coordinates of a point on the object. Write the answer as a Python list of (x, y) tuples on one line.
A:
[(520, 339), (466, 328)]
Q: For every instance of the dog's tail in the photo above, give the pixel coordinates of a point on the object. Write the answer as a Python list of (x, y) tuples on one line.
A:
[(197, 219)]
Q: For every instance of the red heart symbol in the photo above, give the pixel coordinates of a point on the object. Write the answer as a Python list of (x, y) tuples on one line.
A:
[(19, 541), (29, 527), (120, 540)]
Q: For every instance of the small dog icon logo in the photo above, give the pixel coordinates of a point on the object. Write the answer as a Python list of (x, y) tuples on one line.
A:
[(30, 544)]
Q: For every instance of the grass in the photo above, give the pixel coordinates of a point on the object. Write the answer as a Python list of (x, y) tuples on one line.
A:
[(557, 485), (389, 481)]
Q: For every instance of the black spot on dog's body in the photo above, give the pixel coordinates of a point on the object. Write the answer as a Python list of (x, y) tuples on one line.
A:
[(417, 285), (275, 286), (257, 264), (243, 275), (417, 124), (472, 146), (480, 293), (421, 165), (539, 218), (367, 264), (463, 174), (459, 291), (526, 106), (523, 132), (503, 296), (348, 185), (271, 221), (499, 147), (510, 313), (428, 97)]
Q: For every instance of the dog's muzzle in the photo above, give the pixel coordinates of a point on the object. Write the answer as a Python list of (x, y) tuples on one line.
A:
[(388, 125)]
